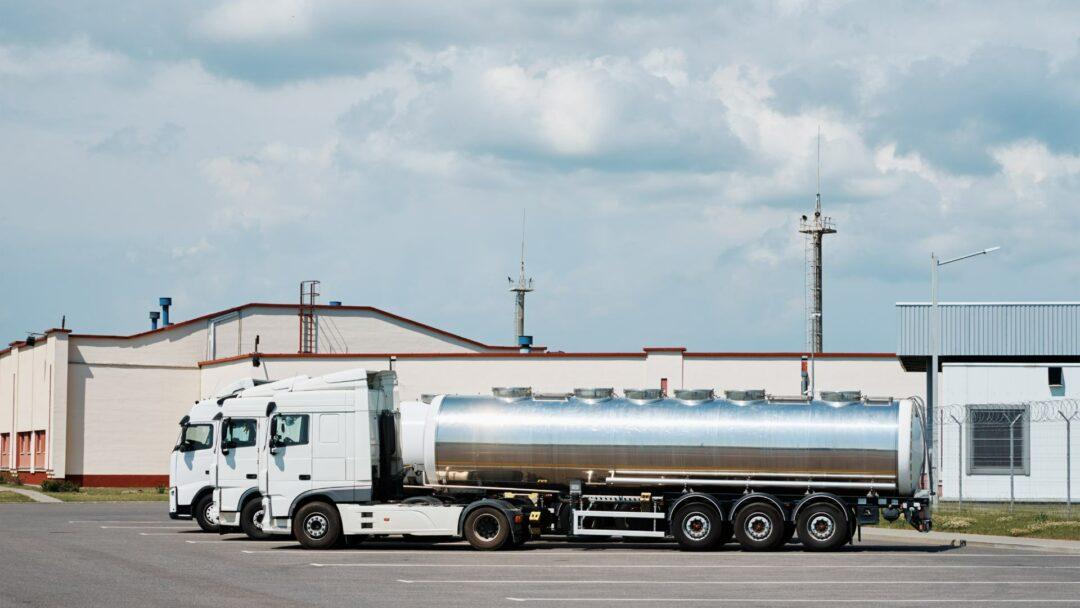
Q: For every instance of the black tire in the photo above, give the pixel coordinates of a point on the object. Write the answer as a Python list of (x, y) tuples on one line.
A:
[(317, 525), (697, 527), (487, 529), (205, 512), (250, 520), (823, 527), (759, 527)]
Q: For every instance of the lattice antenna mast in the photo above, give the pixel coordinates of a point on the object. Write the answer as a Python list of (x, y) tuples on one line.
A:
[(523, 286), (815, 228)]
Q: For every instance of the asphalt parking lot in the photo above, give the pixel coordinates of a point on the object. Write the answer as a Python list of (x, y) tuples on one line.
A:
[(133, 555)]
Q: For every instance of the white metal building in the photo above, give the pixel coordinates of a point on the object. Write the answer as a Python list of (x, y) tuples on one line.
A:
[(1006, 369), (103, 409)]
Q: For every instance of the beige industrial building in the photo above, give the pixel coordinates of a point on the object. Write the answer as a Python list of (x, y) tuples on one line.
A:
[(102, 410)]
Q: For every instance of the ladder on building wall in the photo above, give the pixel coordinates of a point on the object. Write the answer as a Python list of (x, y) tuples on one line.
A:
[(309, 329)]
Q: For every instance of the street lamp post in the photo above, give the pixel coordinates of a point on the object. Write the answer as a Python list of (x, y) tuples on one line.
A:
[(935, 346)]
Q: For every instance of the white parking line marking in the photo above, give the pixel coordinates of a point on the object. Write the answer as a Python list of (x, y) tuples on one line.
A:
[(713, 557), (719, 583), (208, 542), (114, 521), (683, 566), (863, 601), (161, 533), (146, 527)]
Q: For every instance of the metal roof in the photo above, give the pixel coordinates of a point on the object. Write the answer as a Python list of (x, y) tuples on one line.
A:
[(992, 329)]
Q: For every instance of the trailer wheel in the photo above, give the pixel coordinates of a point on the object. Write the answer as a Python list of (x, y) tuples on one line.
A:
[(487, 529), (251, 520), (759, 527), (206, 513), (318, 526), (697, 527), (822, 527)]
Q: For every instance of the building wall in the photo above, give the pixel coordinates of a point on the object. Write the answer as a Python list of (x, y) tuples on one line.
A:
[(560, 373), (122, 421), (29, 392), (341, 330), (965, 383)]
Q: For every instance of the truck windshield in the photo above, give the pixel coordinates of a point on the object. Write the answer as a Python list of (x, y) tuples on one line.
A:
[(240, 432), (197, 436)]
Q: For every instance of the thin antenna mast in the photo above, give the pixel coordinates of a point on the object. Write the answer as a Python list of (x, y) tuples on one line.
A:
[(524, 285), (815, 228)]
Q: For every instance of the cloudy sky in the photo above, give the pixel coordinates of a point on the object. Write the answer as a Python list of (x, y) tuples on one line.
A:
[(221, 153)]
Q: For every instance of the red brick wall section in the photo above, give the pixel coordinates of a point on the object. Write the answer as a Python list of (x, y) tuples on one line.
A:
[(32, 479), (120, 481)]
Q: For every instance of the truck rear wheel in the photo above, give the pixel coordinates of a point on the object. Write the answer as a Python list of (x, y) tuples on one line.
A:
[(318, 526), (251, 520), (759, 527), (697, 527), (206, 513), (822, 527), (487, 529)]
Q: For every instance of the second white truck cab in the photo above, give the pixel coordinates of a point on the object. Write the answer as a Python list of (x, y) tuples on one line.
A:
[(242, 419)]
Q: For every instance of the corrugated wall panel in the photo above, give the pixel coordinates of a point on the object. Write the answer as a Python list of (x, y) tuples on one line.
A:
[(993, 329)]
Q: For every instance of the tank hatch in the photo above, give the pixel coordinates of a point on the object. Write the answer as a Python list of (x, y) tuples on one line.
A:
[(841, 396), (694, 394), (511, 392), (594, 393), (753, 394), (643, 394)]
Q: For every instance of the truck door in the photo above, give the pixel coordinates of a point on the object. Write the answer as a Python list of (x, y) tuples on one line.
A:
[(289, 465), (238, 462), (328, 456), (195, 460)]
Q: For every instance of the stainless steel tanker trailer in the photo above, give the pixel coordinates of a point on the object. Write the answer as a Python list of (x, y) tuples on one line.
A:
[(694, 467)]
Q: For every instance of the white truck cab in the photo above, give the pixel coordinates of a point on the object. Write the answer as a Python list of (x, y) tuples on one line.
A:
[(191, 466), (332, 471), (242, 420)]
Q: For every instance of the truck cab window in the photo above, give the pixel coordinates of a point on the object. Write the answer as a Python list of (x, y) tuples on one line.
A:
[(239, 432), (197, 437), (291, 429)]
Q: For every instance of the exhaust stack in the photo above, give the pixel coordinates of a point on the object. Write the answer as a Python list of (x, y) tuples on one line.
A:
[(165, 304), (154, 316)]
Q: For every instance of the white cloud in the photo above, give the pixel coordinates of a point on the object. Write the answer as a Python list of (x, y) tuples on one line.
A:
[(250, 20)]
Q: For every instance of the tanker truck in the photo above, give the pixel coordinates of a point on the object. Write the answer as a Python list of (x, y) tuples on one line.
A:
[(345, 465)]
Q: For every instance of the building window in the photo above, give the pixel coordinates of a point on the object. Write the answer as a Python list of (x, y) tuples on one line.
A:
[(989, 441), (1055, 376), (5, 450), (23, 445), (39, 449)]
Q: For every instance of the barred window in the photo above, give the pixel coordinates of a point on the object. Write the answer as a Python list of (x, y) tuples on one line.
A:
[(988, 440)]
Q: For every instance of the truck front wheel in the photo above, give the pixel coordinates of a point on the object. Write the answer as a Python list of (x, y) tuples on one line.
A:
[(759, 527), (251, 520), (822, 527), (487, 529), (206, 513), (318, 526), (697, 527)]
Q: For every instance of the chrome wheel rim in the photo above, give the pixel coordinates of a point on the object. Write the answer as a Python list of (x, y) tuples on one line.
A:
[(758, 526), (316, 525), (696, 526), (211, 513), (821, 527), (256, 519), (487, 526)]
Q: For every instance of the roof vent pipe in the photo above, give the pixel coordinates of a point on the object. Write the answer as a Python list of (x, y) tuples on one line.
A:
[(154, 316), (165, 304), (335, 302)]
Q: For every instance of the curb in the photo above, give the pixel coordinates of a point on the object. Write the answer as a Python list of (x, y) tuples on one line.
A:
[(956, 539)]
